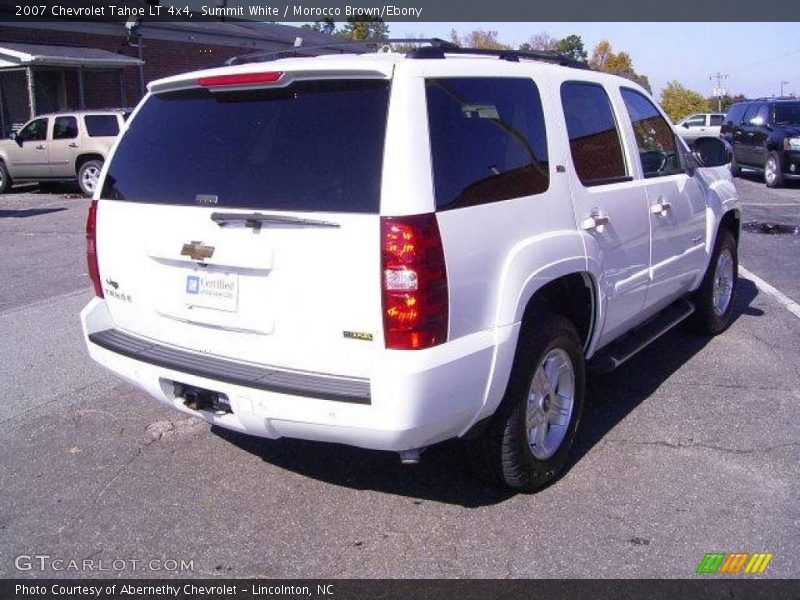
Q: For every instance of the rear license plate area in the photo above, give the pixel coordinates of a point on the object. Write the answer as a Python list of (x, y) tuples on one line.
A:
[(214, 290)]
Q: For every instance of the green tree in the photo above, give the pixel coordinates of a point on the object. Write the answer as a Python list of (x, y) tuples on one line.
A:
[(327, 26), (678, 101), (364, 28), (727, 101), (604, 59), (572, 46)]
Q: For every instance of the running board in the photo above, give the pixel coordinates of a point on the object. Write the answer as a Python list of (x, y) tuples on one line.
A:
[(619, 351)]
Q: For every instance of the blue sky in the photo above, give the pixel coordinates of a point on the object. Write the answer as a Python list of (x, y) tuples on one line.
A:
[(756, 56)]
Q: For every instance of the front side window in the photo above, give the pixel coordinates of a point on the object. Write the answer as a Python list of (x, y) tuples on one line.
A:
[(762, 116), (35, 131), (65, 128), (655, 138), (101, 125), (594, 139), (696, 121), (487, 138), (735, 114)]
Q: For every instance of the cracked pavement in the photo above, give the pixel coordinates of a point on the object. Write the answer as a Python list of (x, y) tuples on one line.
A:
[(691, 447)]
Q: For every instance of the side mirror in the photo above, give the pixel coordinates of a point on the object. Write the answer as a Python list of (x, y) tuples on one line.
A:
[(685, 125), (13, 136), (711, 152)]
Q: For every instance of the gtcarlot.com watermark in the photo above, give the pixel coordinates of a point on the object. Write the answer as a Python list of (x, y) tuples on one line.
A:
[(57, 564)]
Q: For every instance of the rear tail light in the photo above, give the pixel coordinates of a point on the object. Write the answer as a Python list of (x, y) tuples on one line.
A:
[(414, 279), (91, 250)]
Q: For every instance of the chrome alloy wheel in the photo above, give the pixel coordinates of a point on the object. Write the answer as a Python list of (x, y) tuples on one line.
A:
[(89, 178), (551, 399), (723, 282), (771, 170)]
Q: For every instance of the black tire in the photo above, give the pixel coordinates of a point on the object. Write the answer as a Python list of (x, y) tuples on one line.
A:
[(502, 455), (5, 178), (736, 170), (773, 176), (707, 319), (88, 171)]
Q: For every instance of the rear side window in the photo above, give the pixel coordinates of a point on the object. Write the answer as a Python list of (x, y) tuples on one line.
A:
[(716, 120), (655, 138), (101, 125), (311, 146), (488, 140), (735, 114), (593, 135), (65, 128)]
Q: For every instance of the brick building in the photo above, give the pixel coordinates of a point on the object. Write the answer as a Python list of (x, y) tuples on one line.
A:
[(53, 66)]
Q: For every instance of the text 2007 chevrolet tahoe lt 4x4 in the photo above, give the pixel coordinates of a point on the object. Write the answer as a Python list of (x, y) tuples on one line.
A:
[(389, 250)]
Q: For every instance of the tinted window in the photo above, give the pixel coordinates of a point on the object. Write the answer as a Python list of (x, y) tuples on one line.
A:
[(593, 136), (487, 140), (751, 112), (787, 113), (101, 125), (762, 116), (716, 120), (65, 128), (35, 131), (654, 136), (735, 114), (696, 121), (313, 146)]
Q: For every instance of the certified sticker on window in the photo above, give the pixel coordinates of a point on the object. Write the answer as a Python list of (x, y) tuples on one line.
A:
[(218, 291)]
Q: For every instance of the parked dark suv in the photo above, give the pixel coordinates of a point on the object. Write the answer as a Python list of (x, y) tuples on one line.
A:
[(765, 135)]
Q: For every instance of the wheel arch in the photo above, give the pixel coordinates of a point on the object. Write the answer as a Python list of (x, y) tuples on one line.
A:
[(85, 157), (567, 288)]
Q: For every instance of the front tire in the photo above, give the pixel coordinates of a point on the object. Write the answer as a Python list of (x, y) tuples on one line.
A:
[(773, 176), (5, 178), (714, 298), (88, 176), (528, 441)]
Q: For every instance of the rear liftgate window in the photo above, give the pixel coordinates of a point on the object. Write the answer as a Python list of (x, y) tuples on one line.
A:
[(488, 140), (311, 146)]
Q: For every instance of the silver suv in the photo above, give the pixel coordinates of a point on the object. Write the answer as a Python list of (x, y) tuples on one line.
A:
[(60, 147)]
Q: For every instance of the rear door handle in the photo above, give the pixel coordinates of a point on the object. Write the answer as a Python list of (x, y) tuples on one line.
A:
[(596, 220), (73, 145), (661, 208)]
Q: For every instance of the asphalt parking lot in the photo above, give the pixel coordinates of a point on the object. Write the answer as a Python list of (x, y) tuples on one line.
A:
[(691, 447)]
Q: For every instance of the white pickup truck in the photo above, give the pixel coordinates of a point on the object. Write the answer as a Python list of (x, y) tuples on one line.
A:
[(389, 250)]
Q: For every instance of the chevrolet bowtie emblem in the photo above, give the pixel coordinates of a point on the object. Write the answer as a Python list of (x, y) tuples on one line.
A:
[(197, 251)]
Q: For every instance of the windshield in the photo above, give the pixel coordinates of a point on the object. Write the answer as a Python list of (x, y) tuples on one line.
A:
[(311, 146), (787, 114)]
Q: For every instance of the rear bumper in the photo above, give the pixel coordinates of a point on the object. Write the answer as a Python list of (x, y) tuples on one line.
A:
[(410, 399)]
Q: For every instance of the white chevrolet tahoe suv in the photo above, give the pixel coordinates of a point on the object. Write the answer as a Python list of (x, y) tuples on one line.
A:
[(389, 251)]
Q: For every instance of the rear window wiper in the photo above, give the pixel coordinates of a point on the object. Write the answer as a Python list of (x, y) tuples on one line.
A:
[(256, 220)]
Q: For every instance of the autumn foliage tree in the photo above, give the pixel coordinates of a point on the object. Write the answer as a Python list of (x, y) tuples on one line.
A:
[(478, 39), (604, 59), (678, 101)]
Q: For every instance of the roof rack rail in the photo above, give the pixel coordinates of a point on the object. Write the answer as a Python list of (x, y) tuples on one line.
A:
[(551, 56), (436, 48)]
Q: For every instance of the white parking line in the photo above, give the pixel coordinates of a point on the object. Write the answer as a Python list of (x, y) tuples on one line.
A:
[(789, 304)]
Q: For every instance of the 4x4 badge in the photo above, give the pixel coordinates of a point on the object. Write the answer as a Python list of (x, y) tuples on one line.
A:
[(197, 251)]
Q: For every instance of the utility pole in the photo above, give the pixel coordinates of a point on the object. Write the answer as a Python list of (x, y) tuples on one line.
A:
[(783, 83), (718, 91)]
